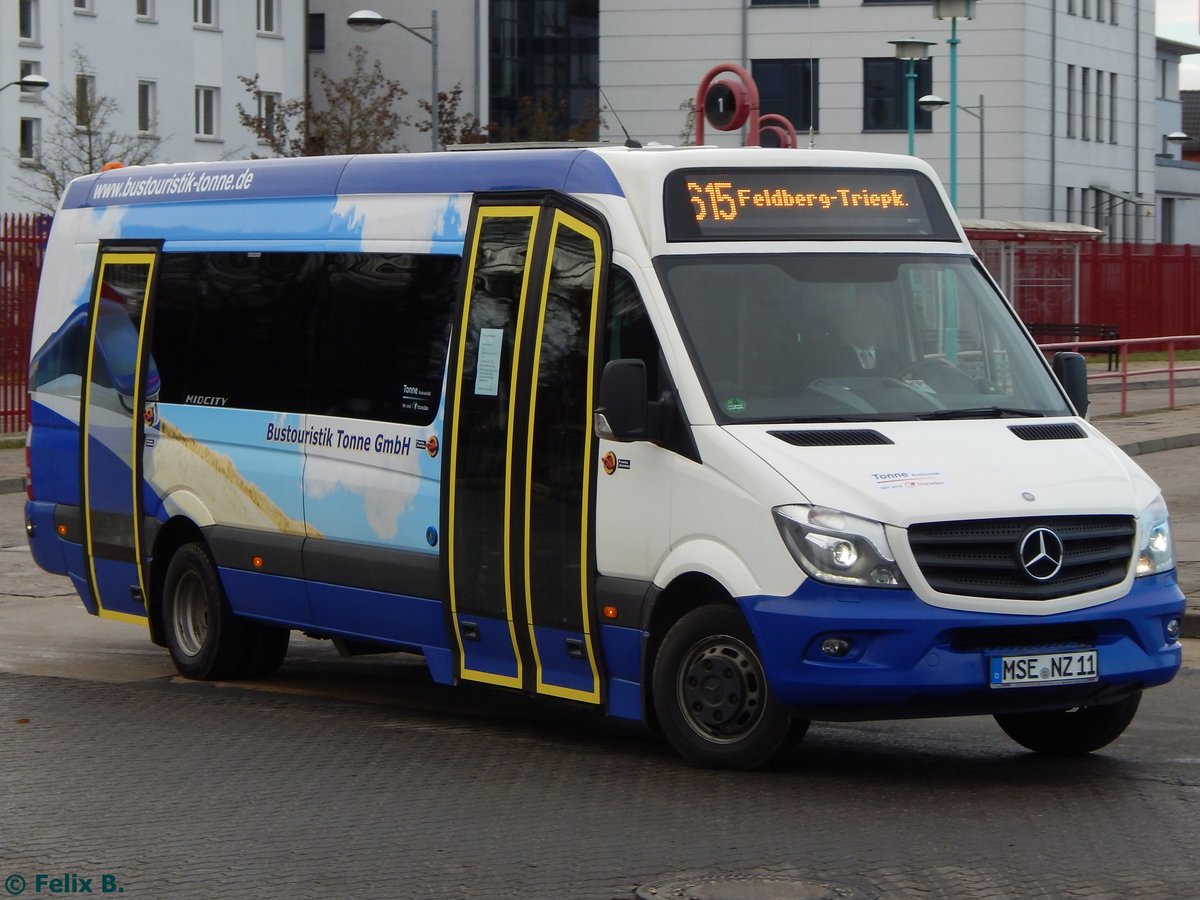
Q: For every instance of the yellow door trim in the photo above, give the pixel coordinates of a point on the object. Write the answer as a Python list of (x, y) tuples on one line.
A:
[(148, 260), (564, 220), (512, 212)]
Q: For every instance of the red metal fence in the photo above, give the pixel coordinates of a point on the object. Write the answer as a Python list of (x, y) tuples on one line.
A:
[(22, 246), (1146, 290)]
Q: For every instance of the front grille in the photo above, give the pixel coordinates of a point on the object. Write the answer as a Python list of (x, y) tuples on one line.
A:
[(1022, 637), (982, 557)]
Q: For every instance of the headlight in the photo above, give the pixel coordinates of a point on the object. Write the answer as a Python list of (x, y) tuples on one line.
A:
[(1157, 552), (838, 548)]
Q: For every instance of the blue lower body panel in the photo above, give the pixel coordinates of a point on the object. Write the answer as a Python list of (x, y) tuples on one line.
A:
[(910, 659)]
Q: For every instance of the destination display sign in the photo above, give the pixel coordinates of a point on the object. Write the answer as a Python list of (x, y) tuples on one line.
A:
[(736, 204)]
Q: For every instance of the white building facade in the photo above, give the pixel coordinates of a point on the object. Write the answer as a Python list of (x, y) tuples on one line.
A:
[(1068, 89), (170, 65)]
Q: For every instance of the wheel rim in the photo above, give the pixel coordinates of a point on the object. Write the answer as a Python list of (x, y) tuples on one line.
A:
[(191, 614), (721, 689)]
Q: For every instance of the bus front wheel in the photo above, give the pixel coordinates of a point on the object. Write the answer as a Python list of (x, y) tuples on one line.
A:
[(712, 698), (205, 639), (1071, 732)]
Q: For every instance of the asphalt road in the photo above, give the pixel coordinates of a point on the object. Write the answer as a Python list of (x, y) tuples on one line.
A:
[(361, 778)]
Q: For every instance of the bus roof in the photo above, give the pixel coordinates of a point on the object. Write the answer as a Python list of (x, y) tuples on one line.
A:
[(613, 170)]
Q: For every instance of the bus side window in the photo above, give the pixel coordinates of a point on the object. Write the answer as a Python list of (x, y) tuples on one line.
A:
[(234, 328), (382, 330), (628, 334)]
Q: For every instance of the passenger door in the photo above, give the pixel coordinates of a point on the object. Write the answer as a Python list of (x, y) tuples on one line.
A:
[(521, 468), (120, 385)]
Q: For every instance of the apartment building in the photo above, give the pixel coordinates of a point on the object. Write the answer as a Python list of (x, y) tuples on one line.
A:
[(171, 66)]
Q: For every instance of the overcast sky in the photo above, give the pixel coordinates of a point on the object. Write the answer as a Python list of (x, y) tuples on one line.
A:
[(1179, 20)]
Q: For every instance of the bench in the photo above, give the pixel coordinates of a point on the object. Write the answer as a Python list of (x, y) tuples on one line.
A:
[(1075, 330)]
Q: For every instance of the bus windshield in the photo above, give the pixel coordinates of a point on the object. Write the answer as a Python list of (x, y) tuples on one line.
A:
[(831, 337)]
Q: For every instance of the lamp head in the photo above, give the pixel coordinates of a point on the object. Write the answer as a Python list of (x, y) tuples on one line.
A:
[(931, 102), (1176, 137), (954, 9), (366, 20), (912, 48), (35, 83)]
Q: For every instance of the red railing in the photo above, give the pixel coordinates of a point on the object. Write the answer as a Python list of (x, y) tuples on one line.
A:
[(22, 246), (1124, 373)]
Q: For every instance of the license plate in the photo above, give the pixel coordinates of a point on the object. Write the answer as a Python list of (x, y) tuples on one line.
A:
[(1044, 668)]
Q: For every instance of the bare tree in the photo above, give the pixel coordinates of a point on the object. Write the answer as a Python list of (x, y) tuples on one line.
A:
[(359, 114), (454, 127), (79, 141)]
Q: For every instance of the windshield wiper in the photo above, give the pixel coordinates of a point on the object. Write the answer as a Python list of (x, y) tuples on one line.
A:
[(984, 412), (835, 418)]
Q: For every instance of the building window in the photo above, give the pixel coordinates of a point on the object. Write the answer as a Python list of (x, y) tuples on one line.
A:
[(206, 112), (204, 12), (316, 32), (1112, 106), (1099, 10), (268, 106), (1070, 204), (268, 16), (885, 103), (1071, 101), (28, 20), (791, 3), (788, 87), (31, 139), (1085, 93), (544, 64), (145, 9), (1100, 107), (1085, 9), (30, 67), (1071, 7), (146, 106), (85, 97), (83, 7), (1168, 221)]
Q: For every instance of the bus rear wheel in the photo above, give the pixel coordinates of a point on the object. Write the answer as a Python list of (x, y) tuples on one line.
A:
[(205, 639), (712, 697), (1071, 732)]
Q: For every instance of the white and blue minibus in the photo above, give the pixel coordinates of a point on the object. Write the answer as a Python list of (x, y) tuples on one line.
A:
[(723, 441)]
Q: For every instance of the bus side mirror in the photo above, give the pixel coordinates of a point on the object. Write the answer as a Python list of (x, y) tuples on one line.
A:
[(623, 412), (1071, 371)]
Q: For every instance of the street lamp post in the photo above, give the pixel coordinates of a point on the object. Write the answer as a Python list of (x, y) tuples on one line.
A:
[(35, 83), (954, 10), (910, 51), (368, 20), (930, 102)]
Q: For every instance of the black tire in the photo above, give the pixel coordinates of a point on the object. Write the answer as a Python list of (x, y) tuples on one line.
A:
[(265, 650), (1071, 732), (205, 639), (711, 695)]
